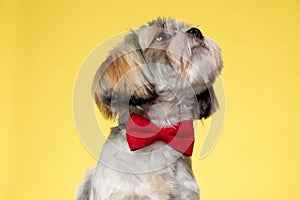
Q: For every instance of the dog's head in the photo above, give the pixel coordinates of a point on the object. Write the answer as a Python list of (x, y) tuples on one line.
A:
[(164, 70)]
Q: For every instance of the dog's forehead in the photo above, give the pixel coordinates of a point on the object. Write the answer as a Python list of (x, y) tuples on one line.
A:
[(147, 33)]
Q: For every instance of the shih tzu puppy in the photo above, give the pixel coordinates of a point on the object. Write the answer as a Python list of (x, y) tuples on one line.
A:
[(155, 83)]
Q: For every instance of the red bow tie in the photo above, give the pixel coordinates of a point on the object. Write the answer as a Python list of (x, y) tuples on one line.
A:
[(140, 132)]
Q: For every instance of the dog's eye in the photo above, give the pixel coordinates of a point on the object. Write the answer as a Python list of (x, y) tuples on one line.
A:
[(162, 37)]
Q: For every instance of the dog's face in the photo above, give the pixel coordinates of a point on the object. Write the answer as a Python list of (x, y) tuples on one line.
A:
[(164, 70)]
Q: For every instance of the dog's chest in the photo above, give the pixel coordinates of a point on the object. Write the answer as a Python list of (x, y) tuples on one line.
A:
[(150, 171), (117, 155)]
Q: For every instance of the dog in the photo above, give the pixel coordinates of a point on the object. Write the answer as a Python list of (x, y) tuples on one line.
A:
[(154, 83)]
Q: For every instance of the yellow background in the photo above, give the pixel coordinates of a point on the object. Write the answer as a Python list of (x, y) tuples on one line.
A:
[(43, 44)]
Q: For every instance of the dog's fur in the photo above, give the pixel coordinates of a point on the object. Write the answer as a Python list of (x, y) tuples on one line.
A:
[(164, 73)]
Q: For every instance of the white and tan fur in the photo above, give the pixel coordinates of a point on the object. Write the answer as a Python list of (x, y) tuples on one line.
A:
[(164, 73)]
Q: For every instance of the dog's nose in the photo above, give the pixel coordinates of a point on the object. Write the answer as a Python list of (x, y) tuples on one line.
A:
[(195, 32)]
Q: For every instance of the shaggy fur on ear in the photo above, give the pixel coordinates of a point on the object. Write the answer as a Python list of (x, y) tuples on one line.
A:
[(208, 103), (120, 79)]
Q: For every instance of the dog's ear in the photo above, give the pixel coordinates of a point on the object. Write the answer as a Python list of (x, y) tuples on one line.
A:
[(102, 90), (208, 102), (120, 79)]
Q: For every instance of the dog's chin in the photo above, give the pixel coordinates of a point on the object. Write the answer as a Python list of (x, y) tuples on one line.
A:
[(205, 104), (179, 104)]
